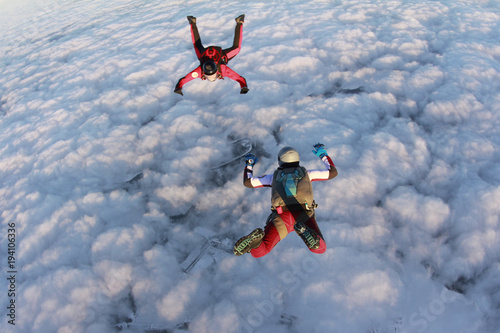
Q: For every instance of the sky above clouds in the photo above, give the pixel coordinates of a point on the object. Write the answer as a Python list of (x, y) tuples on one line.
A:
[(127, 198)]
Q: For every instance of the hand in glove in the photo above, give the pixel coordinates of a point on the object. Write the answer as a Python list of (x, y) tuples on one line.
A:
[(319, 150), (250, 160), (178, 91), (244, 90)]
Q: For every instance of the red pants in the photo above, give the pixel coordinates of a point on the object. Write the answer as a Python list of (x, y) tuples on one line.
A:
[(285, 220)]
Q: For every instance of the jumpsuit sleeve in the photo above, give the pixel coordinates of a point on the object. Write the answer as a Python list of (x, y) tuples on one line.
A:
[(228, 72), (318, 175), (254, 182), (196, 73)]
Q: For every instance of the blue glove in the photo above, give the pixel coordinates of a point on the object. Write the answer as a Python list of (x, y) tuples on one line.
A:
[(250, 160), (319, 150)]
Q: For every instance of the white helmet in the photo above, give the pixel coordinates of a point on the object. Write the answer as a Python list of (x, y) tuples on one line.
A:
[(288, 155), (212, 77)]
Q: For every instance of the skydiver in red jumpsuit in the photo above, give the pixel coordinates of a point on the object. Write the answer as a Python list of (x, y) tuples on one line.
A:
[(214, 59)]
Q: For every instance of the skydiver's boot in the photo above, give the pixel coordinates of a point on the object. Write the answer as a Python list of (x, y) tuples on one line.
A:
[(308, 235), (191, 19), (248, 243), (240, 19)]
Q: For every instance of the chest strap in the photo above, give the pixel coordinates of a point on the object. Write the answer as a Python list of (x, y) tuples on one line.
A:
[(294, 208)]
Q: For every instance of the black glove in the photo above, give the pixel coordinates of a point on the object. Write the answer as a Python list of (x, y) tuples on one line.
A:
[(178, 91), (244, 90)]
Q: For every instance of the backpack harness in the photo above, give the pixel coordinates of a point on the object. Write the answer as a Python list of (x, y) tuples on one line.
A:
[(292, 190)]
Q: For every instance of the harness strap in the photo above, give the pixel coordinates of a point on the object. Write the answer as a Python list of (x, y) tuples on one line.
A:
[(215, 54), (294, 208)]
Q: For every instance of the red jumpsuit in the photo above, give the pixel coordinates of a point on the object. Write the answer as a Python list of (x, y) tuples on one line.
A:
[(280, 223), (220, 56)]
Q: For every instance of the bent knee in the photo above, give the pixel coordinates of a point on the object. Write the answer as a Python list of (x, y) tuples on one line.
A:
[(321, 249)]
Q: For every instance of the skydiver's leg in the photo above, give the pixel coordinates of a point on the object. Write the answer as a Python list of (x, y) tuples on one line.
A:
[(195, 35), (313, 225), (238, 38), (277, 228)]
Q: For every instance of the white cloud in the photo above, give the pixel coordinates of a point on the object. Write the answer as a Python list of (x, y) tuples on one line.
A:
[(109, 176)]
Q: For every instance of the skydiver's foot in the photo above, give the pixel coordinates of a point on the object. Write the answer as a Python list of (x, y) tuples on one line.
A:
[(191, 19), (248, 243), (240, 19), (309, 236)]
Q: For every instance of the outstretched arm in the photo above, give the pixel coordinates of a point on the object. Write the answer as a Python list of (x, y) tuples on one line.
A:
[(194, 74), (228, 72), (248, 179), (316, 175)]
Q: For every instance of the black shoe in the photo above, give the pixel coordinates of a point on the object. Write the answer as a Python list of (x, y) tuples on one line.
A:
[(309, 236), (249, 242), (191, 19), (240, 19)]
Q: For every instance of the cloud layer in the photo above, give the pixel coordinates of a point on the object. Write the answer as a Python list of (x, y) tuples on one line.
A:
[(126, 208)]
